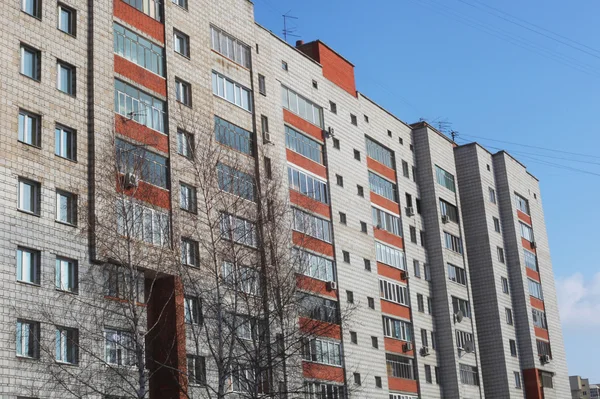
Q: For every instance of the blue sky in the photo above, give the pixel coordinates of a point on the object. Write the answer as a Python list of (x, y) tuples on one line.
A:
[(436, 59)]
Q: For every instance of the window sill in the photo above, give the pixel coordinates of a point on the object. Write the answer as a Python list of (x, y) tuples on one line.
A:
[(234, 104), (65, 158), (183, 55), (324, 364), (31, 145), (37, 285), (67, 94), (67, 291), (73, 35), (31, 15), (230, 60), (29, 213), (65, 223), (184, 104), (27, 357), (59, 362)]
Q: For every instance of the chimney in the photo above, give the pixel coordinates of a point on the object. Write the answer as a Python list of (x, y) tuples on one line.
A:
[(299, 43)]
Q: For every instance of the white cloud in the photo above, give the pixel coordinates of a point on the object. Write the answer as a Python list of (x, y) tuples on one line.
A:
[(579, 301)]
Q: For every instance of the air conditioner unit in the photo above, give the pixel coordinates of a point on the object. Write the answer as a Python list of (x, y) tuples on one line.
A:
[(403, 274), (425, 351), (533, 244), (410, 211), (331, 286), (545, 359), (329, 132), (407, 347), (266, 137), (130, 180), (445, 219)]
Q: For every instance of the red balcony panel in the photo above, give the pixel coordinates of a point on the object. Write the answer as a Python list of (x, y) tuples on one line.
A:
[(381, 169), (313, 285), (401, 384), (305, 163), (148, 193), (141, 133), (390, 272), (527, 245), (532, 384), (385, 203), (388, 238), (396, 346), (301, 124), (140, 75), (309, 204), (138, 19), (541, 333), (524, 217), (532, 274), (537, 303), (313, 244), (320, 328), (322, 372), (395, 309)]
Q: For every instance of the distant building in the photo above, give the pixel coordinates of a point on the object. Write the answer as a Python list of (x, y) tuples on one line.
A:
[(581, 389)]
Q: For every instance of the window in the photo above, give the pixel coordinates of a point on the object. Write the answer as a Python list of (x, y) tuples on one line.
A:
[(378, 382), (152, 8), (67, 343), (469, 375), (321, 390), (353, 337), (393, 292), (28, 339), (315, 84), (139, 106), (363, 227), (366, 118), (375, 342), (444, 178), (357, 378), (31, 62), (322, 351), (457, 274), (546, 379), (303, 145), (397, 329), (284, 66), (189, 252), (429, 308), (350, 296), (424, 337), (333, 107), (299, 105), (318, 308), (138, 50), (380, 153), (530, 260), (28, 265), (29, 128), (313, 265), (462, 338), (535, 289), (262, 85), (383, 187), (241, 378), (120, 348), (233, 136), (509, 316), (400, 367), (413, 234), (360, 191), (513, 347), (66, 275), (353, 119), (267, 167), (65, 143), (66, 78), (405, 170), (238, 230), (420, 303), (148, 166), (339, 180), (449, 210), (236, 182), (386, 221), (29, 196), (312, 225), (346, 256), (187, 200), (539, 318), (517, 379), (196, 368), (32, 7), (185, 143), (543, 348), (390, 256), (66, 207), (183, 92), (231, 91), (66, 19), (230, 47), (428, 374), (526, 232), (367, 263), (433, 344), (193, 313), (453, 243), (181, 43), (500, 254), (336, 143), (264, 124), (124, 283), (437, 375), (357, 155), (417, 268), (342, 218), (496, 225), (492, 194), (181, 3), (462, 306), (522, 204), (422, 236)]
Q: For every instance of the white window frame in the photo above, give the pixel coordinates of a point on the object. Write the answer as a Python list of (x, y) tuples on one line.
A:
[(530, 259), (65, 143), (230, 47), (393, 292), (453, 243), (35, 62), (28, 265), (192, 310), (312, 225), (196, 367), (189, 252), (390, 256), (71, 28), (397, 329), (301, 106), (66, 275), (29, 128), (522, 204), (27, 339), (121, 343), (181, 43), (34, 196), (238, 230), (183, 92), (143, 223), (70, 85), (188, 198), (66, 207), (185, 143), (526, 232), (314, 266), (457, 274), (231, 91), (492, 194), (535, 289), (242, 278), (66, 345)]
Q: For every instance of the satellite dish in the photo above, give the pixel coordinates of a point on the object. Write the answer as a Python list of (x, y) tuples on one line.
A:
[(458, 316), (469, 347)]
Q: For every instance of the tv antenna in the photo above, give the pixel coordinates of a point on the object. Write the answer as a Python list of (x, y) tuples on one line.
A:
[(454, 135), (288, 31)]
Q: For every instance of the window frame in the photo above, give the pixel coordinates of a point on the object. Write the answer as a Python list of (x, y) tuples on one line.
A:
[(30, 121), (72, 19), (71, 84), (66, 345), (35, 199), (36, 65), (70, 216), (31, 348), (36, 8), (181, 39), (70, 267), (65, 142), (183, 92), (34, 266)]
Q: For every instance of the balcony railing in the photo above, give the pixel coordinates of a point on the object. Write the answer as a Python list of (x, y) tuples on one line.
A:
[(140, 111), (400, 369)]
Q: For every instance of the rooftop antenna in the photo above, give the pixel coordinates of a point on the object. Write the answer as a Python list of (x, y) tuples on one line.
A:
[(454, 135), (288, 32)]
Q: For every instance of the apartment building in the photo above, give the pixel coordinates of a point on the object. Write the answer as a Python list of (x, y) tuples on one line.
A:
[(581, 388), (436, 253)]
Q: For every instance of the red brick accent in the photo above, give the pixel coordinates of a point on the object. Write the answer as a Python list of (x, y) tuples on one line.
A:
[(387, 237), (395, 309), (396, 346), (385, 203), (390, 272), (335, 68), (309, 204), (301, 124), (536, 303), (136, 18), (527, 245), (320, 328), (306, 163), (322, 372), (401, 384), (140, 75), (312, 244), (313, 285), (147, 192), (166, 339), (541, 333), (532, 274), (532, 384), (380, 168), (141, 133), (524, 217)]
